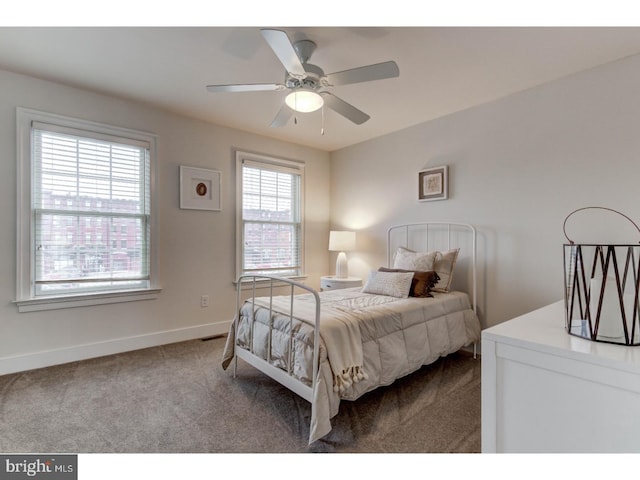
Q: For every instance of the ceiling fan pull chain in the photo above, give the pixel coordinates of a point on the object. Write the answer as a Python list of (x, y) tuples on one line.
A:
[(322, 128)]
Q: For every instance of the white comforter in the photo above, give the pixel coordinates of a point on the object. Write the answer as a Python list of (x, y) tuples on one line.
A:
[(396, 336)]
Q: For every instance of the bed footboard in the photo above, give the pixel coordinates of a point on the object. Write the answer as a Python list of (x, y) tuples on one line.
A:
[(267, 285)]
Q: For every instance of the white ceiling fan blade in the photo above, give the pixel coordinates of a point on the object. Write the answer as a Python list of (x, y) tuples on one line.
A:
[(345, 109), (378, 71), (251, 87), (282, 117), (283, 48)]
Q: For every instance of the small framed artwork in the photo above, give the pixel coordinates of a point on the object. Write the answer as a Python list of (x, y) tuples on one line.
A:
[(199, 188), (433, 184)]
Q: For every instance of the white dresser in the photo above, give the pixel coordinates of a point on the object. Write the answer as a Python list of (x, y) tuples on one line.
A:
[(544, 390)]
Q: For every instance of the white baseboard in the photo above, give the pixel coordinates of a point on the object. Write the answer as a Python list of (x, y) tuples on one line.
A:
[(30, 361)]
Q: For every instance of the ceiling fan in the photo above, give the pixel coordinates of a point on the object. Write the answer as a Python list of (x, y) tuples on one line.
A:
[(307, 82)]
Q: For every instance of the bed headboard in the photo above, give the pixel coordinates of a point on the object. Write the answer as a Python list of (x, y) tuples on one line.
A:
[(428, 236)]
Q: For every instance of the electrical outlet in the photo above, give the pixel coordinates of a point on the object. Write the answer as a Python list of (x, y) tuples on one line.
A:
[(204, 301)]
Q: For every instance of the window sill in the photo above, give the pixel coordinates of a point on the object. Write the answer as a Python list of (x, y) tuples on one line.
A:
[(55, 303)]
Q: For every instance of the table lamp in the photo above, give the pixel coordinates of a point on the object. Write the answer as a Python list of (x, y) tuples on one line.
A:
[(342, 241)]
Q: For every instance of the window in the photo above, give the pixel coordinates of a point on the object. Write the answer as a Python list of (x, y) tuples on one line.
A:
[(270, 215), (79, 181)]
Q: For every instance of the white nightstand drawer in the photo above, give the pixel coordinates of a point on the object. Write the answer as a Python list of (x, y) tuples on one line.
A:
[(335, 283)]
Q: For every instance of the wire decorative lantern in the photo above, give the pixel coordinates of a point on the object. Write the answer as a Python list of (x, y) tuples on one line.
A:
[(602, 282)]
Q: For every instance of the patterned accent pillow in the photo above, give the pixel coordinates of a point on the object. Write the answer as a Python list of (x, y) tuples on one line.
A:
[(406, 259), (445, 261), (393, 284), (421, 284)]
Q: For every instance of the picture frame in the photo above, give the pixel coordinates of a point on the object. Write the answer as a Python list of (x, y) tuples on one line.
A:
[(433, 184), (200, 188)]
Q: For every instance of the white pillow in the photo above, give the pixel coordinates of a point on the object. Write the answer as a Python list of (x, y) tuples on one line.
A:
[(406, 259), (393, 284)]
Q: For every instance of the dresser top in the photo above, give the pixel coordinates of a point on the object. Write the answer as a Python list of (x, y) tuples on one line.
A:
[(544, 330)]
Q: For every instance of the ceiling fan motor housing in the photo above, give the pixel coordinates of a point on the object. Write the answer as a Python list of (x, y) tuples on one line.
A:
[(311, 79)]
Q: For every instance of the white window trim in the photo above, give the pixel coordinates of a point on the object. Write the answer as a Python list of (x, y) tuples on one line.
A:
[(24, 268), (242, 156)]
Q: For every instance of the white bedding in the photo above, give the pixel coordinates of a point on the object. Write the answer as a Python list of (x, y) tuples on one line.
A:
[(396, 336)]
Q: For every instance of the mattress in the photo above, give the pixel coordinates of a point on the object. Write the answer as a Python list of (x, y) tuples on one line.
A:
[(396, 337)]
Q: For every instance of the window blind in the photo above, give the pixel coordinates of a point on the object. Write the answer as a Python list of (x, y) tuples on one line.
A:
[(271, 219), (90, 211)]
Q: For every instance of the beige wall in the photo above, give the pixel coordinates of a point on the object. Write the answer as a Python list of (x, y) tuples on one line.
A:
[(518, 167), (197, 249)]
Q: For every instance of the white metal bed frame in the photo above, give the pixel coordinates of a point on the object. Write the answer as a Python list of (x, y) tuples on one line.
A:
[(285, 377)]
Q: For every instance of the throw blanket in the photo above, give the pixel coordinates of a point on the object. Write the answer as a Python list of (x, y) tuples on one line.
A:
[(339, 331)]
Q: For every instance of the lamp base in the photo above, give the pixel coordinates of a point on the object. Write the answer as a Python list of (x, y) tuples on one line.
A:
[(342, 270)]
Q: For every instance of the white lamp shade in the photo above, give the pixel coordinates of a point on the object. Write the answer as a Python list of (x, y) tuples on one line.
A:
[(342, 241), (304, 101)]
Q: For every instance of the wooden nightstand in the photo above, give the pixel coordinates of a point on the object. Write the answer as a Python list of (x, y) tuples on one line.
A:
[(335, 283)]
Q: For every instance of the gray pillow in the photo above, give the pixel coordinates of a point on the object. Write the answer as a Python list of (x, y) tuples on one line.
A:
[(393, 284)]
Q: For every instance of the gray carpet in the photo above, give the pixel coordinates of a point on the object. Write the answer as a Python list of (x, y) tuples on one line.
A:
[(177, 399)]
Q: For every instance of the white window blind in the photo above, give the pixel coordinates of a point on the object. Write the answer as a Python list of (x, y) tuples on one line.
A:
[(90, 211), (272, 220)]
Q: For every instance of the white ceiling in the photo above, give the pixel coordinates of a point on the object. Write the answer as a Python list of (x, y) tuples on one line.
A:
[(442, 69)]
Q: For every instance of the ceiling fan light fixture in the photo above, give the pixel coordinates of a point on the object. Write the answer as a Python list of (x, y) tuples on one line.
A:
[(304, 100)]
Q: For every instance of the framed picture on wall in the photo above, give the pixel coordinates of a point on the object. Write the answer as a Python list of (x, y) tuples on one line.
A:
[(433, 184), (199, 188)]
